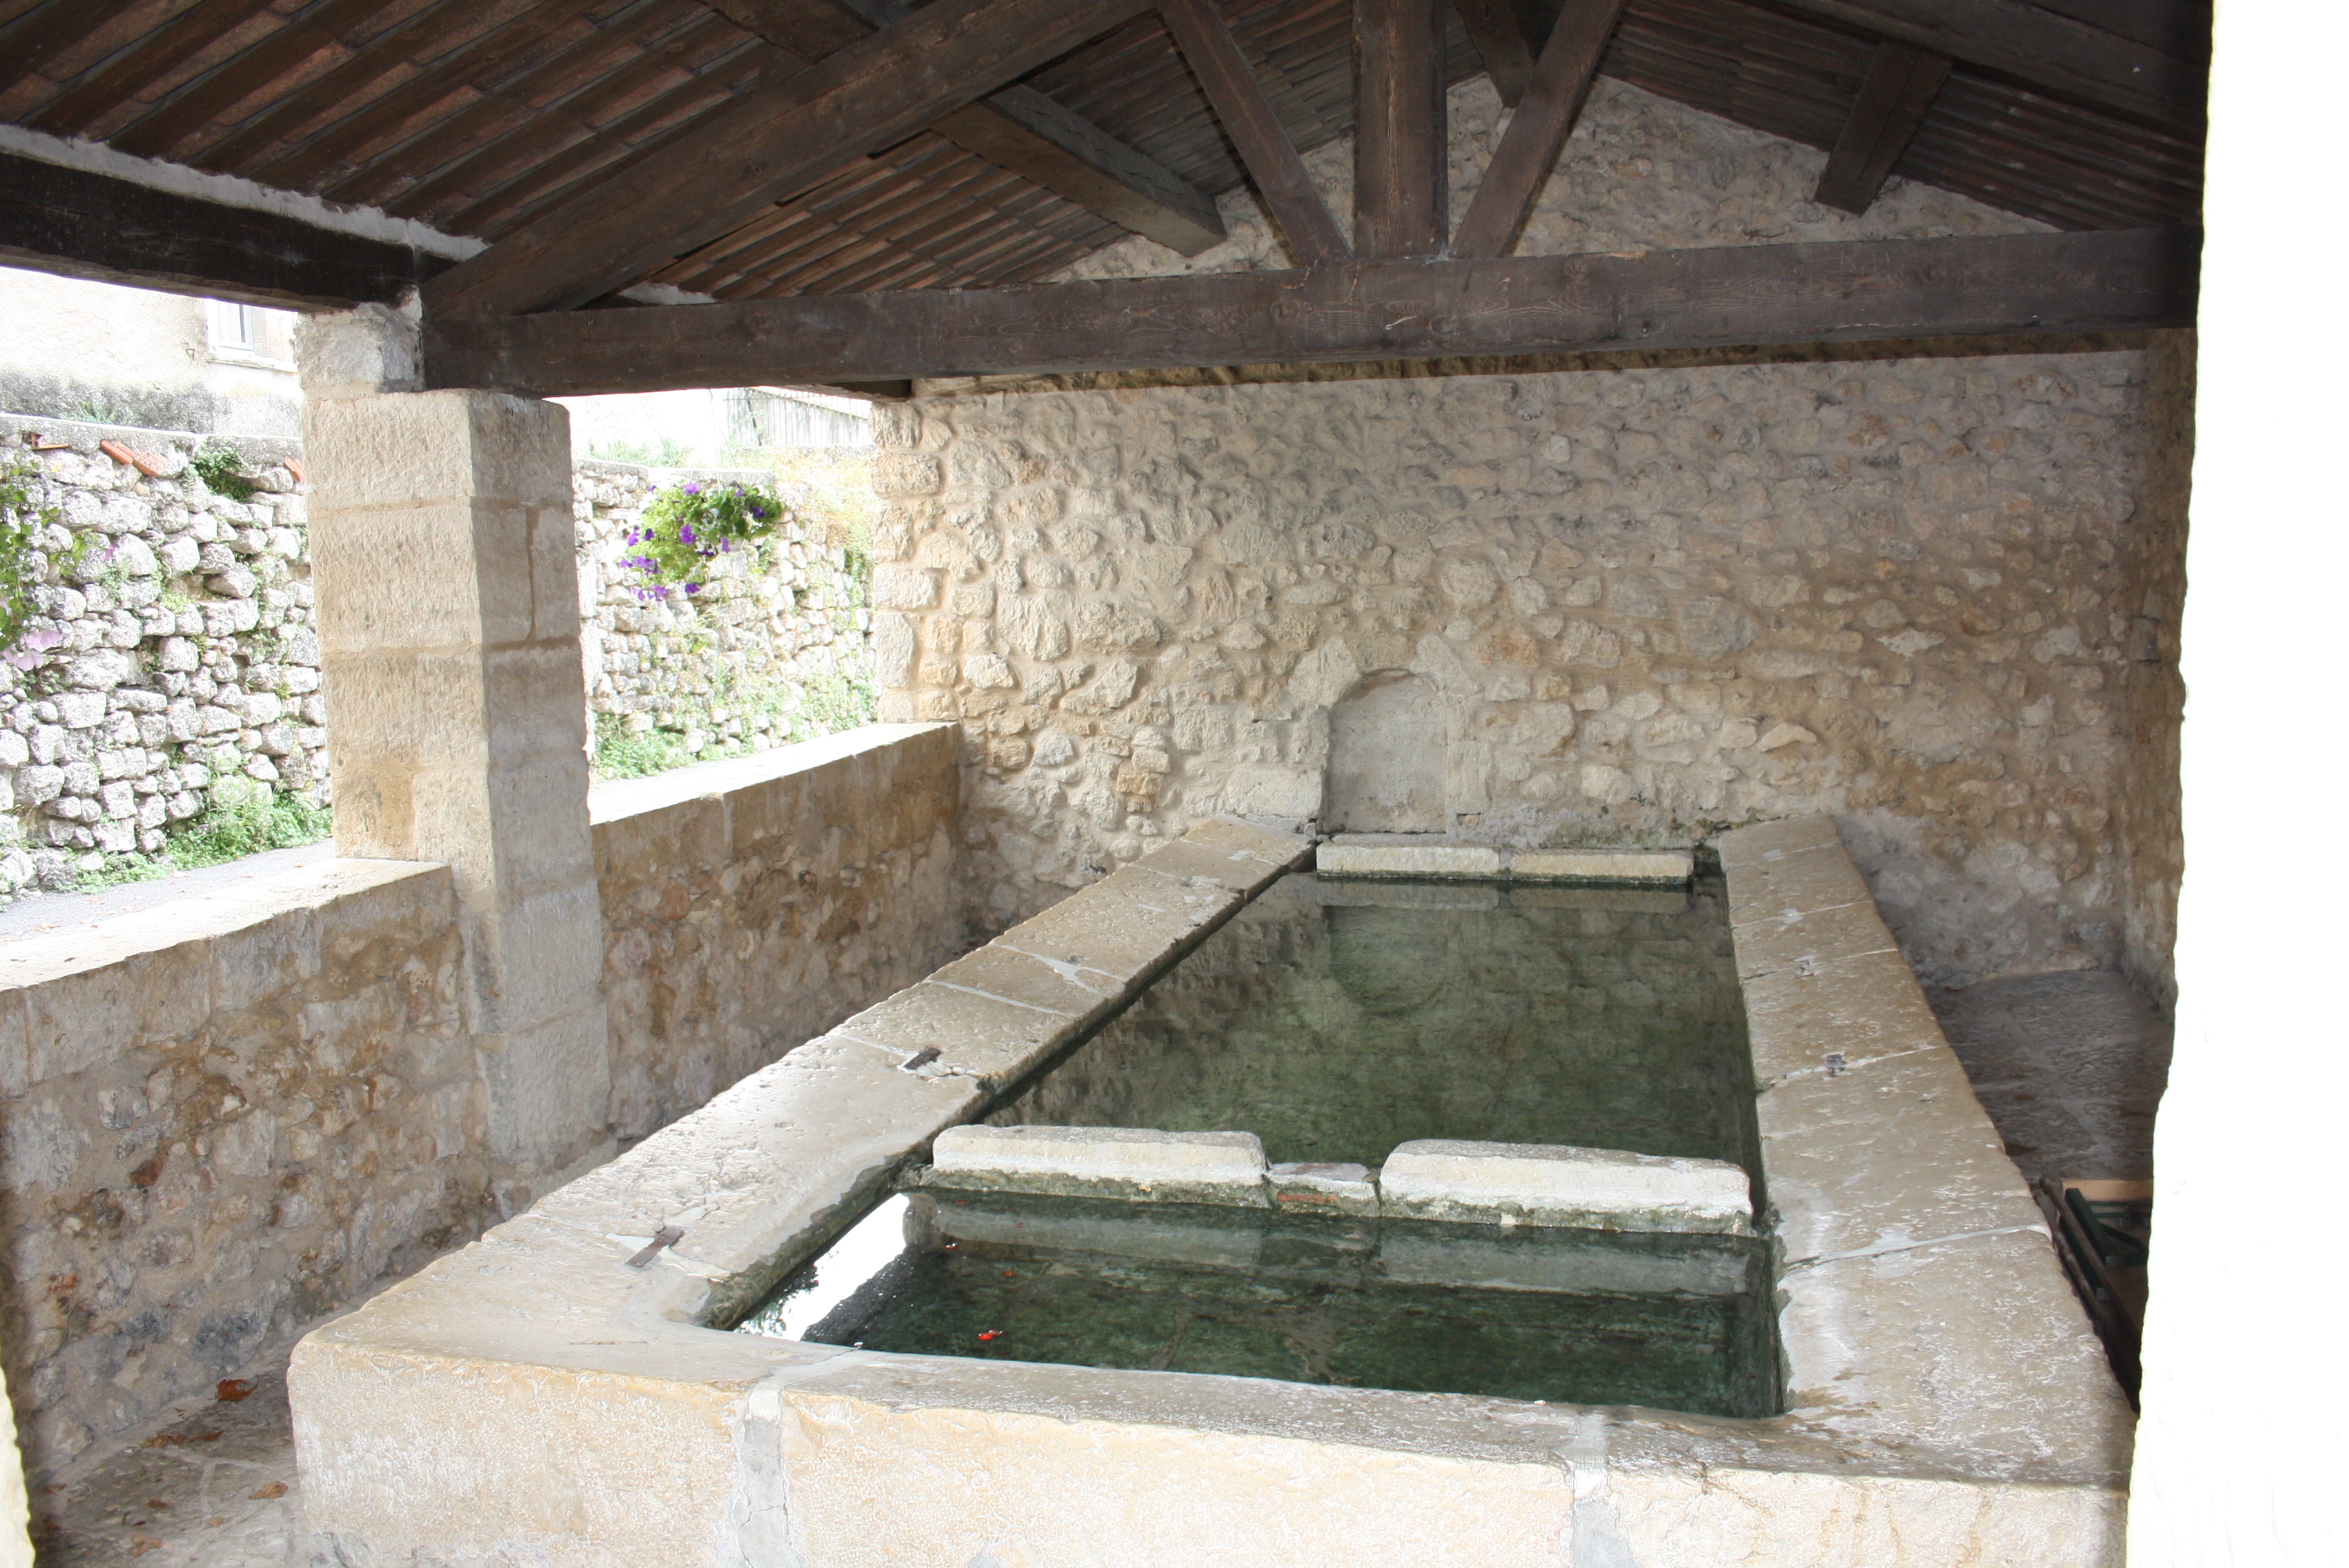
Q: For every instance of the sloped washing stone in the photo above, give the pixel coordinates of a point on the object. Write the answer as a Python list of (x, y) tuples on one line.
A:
[(1344, 860), (1603, 865), (1225, 1168), (1325, 1186), (1561, 1185)]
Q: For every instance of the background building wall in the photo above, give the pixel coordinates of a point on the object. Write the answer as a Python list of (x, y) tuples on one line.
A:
[(73, 349), (1632, 600)]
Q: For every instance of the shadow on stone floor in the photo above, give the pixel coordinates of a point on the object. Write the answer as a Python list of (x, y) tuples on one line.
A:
[(2069, 1066)]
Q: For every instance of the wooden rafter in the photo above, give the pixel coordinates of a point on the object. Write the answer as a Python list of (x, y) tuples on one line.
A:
[(1019, 128), (1507, 41), (1901, 83), (1529, 148), (1246, 111), (1400, 144), (769, 144), (1398, 309), (2035, 43)]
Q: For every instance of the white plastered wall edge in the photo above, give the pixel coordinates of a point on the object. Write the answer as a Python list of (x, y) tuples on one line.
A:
[(1950, 1404)]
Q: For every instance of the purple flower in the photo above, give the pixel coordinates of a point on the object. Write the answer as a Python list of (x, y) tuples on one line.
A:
[(693, 490), (693, 587)]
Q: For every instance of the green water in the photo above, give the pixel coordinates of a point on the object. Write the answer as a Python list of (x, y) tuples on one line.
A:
[(1338, 1019), (1668, 1322)]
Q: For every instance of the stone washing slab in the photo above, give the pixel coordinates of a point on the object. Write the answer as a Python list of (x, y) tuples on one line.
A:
[(1485, 1260), (1324, 1187), (1431, 856), (1950, 1406), (1603, 865), (1344, 860), (1220, 1167), (1559, 1185)]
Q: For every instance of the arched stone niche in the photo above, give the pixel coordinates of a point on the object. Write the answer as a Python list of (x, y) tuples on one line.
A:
[(1386, 775)]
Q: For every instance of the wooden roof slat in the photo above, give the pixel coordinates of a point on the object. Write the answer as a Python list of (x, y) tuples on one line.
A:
[(374, 61), (56, 30), (107, 84), (477, 64), (620, 41), (566, 120), (228, 84)]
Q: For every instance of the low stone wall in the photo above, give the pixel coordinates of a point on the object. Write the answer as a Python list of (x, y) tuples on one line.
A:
[(225, 1116), (752, 904)]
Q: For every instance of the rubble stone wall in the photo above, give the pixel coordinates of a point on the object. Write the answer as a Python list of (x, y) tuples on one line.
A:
[(1628, 600), (171, 662), (171, 659)]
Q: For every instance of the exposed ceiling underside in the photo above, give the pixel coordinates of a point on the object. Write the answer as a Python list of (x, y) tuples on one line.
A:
[(478, 115)]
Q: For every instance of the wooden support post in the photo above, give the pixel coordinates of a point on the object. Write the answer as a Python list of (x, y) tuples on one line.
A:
[(1901, 83), (1399, 206)]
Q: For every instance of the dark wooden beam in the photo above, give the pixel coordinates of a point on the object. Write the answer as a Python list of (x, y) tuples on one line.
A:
[(776, 140), (1238, 96), (2059, 53), (86, 225), (1399, 206), (1018, 128), (1507, 39), (1521, 164), (1901, 83), (1737, 295)]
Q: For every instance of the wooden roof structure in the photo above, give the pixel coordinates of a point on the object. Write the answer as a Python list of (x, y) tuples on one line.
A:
[(779, 154)]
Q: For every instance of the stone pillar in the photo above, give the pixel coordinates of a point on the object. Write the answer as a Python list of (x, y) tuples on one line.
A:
[(447, 613)]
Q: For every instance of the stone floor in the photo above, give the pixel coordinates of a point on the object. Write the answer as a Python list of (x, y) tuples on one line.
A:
[(2069, 1066)]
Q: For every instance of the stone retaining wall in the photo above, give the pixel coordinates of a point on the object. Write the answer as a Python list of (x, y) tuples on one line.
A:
[(225, 1116), (173, 662), (1930, 588)]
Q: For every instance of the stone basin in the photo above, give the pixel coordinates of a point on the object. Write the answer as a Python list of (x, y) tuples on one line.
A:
[(1946, 1401)]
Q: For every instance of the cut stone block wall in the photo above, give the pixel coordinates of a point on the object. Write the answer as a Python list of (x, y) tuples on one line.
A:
[(751, 905), (1622, 600), (225, 1116)]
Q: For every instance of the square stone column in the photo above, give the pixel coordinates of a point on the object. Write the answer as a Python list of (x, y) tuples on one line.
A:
[(444, 555)]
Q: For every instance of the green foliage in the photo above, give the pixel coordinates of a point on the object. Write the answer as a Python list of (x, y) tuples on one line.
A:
[(621, 753), (668, 453), (686, 527), (99, 408), (21, 518), (230, 830), (120, 868), (832, 703), (222, 468)]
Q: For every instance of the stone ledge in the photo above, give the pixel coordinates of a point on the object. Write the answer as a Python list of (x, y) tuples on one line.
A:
[(616, 800)]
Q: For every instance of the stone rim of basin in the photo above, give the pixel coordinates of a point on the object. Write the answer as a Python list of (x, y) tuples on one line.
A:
[(1553, 1186), (1438, 856)]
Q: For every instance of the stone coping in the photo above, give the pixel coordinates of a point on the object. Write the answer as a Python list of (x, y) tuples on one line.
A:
[(1947, 1401), (84, 994), (612, 798)]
